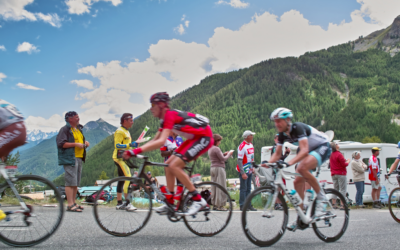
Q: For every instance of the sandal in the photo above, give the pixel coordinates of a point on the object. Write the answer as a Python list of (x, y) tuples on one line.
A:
[(73, 208), (79, 207), (221, 209)]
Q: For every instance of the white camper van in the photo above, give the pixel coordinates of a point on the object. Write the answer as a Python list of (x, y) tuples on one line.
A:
[(387, 156)]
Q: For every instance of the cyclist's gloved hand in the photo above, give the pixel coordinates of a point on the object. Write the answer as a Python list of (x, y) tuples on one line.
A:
[(133, 144), (282, 164), (129, 153)]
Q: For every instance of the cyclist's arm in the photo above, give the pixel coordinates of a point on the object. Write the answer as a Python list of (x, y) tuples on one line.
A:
[(277, 154), (156, 143), (394, 165), (156, 136), (303, 144)]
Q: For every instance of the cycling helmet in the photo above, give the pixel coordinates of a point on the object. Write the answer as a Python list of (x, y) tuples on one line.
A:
[(160, 97), (281, 113), (398, 144)]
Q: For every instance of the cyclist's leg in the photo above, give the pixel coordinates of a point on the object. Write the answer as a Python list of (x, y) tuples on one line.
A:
[(169, 176), (176, 166), (307, 164), (14, 136)]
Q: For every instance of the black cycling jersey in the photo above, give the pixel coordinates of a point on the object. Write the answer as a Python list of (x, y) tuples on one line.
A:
[(300, 131)]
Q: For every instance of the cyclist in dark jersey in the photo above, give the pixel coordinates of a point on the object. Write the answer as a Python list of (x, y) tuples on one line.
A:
[(395, 167), (199, 137), (12, 132), (314, 150)]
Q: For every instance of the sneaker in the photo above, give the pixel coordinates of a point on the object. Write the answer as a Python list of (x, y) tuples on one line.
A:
[(196, 206), (121, 206), (320, 210), (278, 206), (292, 226), (376, 205), (161, 210), (251, 208), (130, 207)]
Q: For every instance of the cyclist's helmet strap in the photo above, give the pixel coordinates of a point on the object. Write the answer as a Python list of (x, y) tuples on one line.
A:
[(160, 97), (281, 113)]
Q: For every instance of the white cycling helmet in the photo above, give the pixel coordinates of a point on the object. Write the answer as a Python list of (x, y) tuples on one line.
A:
[(281, 113)]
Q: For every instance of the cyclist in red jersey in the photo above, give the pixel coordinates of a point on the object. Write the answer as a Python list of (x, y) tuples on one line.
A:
[(199, 137)]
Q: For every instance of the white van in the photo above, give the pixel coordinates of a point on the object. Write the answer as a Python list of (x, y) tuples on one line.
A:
[(387, 156)]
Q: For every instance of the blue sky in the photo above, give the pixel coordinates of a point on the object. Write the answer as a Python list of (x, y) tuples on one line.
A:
[(137, 35)]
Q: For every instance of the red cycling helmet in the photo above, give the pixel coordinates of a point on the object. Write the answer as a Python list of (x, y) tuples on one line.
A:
[(160, 97)]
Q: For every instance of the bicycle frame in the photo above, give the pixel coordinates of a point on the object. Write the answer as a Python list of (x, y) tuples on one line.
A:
[(278, 183), (152, 185), (9, 181)]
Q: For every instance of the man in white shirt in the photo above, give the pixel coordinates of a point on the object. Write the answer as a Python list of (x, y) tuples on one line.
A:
[(244, 167)]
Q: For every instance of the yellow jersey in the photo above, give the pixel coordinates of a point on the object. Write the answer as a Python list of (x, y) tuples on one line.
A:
[(78, 139), (122, 139)]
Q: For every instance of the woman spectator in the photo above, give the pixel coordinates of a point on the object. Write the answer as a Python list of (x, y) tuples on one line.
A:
[(218, 173), (338, 171), (358, 167)]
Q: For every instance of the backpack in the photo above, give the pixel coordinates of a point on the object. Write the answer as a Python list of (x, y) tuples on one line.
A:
[(93, 196), (206, 195)]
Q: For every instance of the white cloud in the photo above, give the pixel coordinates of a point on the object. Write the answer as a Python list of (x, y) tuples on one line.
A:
[(174, 65), (26, 86), (39, 72), (80, 7), (2, 76), (15, 10), (183, 17), (234, 3), (187, 23), (2, 48), (87, 84), (27, 47), (95, 14), (180, 29), (54, 123)]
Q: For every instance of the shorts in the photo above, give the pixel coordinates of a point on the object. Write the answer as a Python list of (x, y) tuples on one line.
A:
[(73, 173), (322, 153), (123, 170), (191, 149), (374, 185), (12, 137)]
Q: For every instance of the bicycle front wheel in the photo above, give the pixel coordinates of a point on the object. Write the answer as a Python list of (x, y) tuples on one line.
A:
[(46, 211), (394, 204), (335, 224), (122, 221), (214, 218), (264, 227)]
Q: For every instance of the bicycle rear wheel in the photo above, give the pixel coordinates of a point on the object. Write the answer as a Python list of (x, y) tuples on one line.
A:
[(260, 227), (331, 229), (394, 204), (122, 223), (208, 221), (46, 211)]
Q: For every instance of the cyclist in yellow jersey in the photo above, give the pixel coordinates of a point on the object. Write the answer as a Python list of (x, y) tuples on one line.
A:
[(123, 141)]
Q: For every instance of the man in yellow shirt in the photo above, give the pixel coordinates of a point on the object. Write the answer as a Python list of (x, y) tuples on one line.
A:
[(72, 146), (123, 141)]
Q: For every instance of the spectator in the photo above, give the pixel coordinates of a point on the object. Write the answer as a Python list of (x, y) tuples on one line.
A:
[(173, 142), (154, 181), (338, 171), (72, 146), (244, 167), (374, 177), (358, 167), (217, 172)]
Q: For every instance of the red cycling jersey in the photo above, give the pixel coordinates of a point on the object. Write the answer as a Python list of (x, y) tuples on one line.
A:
[(186, 124)]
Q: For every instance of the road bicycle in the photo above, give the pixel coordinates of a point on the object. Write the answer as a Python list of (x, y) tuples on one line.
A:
[(209, 221), (266, 226), (394, 200), (33, 206)]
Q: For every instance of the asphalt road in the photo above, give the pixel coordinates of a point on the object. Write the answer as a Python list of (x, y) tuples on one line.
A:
[(368, 229)]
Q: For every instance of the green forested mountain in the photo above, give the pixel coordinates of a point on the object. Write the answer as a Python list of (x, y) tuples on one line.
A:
[(354, 92), (42, 159)]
